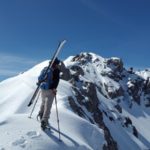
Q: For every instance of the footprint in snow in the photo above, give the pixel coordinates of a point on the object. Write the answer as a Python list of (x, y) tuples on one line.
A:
[(33, 134), (20, 142)]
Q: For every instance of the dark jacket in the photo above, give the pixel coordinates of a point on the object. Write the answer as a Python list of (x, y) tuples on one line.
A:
[(49, 80), (56, 78)]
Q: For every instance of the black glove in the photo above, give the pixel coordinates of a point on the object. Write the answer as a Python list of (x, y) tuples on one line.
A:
[(38, 83)]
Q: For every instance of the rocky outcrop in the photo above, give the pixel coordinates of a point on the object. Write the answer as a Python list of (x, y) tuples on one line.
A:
[(91, 96), (119, 108), (78, 70), (92, 105), (146, 86), (113, 92), (135, 89), (116, 64), (83, 58), (116, 68), (147, 101), (146, 90), (111, 144), (110, 81), (77, 109), (66, 75)]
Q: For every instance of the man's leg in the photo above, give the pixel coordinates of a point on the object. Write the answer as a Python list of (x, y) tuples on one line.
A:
[(48, 105), (43, 97)]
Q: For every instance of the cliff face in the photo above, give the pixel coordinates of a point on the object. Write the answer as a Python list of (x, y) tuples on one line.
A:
[(105, 94)]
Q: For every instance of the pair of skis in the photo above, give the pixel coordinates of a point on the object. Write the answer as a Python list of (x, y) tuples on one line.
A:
[(60, 46)]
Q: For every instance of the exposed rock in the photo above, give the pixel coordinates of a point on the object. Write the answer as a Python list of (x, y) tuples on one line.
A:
[(117, 76), (118, 107), (91, 105), (78, 70), (127, 121), (114, 92), (135, 89), (146, 86), (116, 64), (100, 90), (90, 92), (88, 97), (96, 60), (66, 75), (75, 107), (112, 83), (83, 58), (147, 101), (131, 70), (111, 144), (80, 98), (116, 68), (135, 132)]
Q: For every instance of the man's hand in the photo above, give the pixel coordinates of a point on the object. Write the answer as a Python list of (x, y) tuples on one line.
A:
[(38, 83), (54, 91)]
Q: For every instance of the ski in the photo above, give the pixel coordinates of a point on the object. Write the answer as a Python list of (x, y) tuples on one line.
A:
[(60, 46), (50, 131), (46, 128)]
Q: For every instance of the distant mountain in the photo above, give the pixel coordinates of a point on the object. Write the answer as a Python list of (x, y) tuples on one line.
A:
[(102, 105)]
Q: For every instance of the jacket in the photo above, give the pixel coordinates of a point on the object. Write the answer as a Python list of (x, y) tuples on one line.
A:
[(49, 80)]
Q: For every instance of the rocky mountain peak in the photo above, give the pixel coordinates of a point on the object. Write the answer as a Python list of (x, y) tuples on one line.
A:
[(102, 87)]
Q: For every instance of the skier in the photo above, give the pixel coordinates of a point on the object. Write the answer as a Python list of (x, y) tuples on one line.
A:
[(48, 86)]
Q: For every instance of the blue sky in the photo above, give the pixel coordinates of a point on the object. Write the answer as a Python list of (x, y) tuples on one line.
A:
[(30, 31)]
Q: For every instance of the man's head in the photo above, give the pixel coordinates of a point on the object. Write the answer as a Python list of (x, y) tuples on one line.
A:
[(56, 62)]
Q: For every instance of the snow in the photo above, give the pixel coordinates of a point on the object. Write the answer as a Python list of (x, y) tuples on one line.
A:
[(18, 132), (145, 74), (21, 132)]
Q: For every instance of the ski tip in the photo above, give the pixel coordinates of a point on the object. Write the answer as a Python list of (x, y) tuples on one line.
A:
[(63, 41)]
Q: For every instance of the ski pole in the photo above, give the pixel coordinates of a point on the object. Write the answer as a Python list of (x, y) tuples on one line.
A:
[(34, 105), (57, 118)]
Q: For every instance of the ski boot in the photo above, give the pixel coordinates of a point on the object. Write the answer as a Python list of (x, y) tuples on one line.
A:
[(43, 125)]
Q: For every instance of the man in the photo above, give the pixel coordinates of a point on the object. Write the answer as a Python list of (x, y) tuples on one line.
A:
[(49, 83)]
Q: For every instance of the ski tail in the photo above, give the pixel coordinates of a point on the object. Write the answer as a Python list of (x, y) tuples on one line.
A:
[(60, 46), (34, 96)]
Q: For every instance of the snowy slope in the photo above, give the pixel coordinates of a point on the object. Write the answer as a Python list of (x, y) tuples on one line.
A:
[(102, 72), (19, 132), (105, 98)]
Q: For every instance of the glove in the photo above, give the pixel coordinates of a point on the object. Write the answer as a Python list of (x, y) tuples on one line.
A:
[(54, 91), (38, 83)]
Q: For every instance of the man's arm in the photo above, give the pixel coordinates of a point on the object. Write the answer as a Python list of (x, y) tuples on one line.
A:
[(56, 79)]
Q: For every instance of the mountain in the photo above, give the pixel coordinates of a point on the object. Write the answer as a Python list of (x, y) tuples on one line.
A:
[(101, 104)]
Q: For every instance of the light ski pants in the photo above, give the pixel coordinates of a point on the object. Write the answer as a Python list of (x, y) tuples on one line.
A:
[(47, 100)]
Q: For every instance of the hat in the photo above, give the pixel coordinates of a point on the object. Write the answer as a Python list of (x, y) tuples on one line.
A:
[(56, 61)]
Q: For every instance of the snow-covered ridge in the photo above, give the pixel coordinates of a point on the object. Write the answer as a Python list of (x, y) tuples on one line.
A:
[(101, 105), (121, 95)]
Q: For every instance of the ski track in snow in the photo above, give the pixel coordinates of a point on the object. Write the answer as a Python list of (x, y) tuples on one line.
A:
[(33, 134), (23, 141), (20, 142)]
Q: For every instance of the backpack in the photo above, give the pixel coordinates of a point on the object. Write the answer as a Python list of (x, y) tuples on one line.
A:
[(45, 78)]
